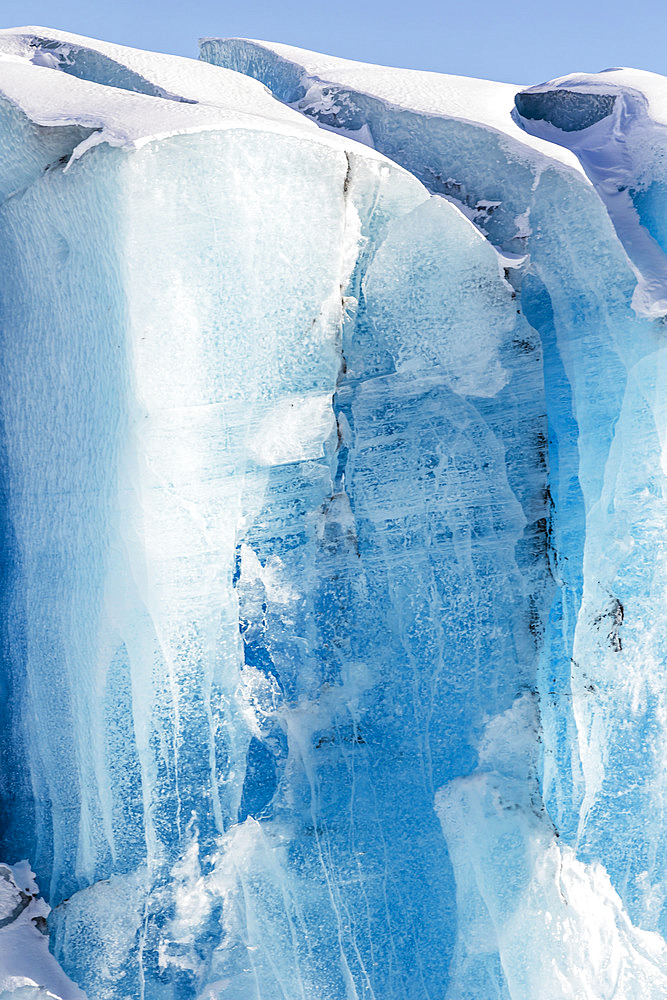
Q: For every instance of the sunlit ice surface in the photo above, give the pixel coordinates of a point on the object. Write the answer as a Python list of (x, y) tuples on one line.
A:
[(332, 464)]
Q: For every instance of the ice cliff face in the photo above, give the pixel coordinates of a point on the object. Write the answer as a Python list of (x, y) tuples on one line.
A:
[(333, 524)]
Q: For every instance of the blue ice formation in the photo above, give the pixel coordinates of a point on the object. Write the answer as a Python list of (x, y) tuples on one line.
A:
[(332, 457)]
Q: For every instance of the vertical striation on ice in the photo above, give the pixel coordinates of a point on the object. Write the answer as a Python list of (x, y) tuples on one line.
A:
[(601, 698)]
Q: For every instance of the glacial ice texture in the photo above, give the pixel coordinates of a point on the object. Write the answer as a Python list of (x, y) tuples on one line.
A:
[(333, 534)]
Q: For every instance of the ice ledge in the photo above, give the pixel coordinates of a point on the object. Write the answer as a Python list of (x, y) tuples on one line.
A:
[(615, 122), (484, 103), (119, 118)]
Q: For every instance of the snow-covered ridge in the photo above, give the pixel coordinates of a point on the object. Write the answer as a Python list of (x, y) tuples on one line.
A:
[(153, 73), (128, 97), (612, 82), (480, 102)]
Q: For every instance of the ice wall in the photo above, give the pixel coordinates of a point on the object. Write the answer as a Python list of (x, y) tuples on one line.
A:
[(332, 497), (276, 509), (601, 699)]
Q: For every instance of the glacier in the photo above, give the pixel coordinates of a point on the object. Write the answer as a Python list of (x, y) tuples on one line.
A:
[(333, 472)]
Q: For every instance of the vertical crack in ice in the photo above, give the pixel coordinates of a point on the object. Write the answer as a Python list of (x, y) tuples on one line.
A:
[(338, 475), (140, 952)]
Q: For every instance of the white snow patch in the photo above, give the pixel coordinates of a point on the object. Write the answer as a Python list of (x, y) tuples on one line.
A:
[(25, 960)]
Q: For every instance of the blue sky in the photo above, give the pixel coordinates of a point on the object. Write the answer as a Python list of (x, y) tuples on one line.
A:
[(519, 42)]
